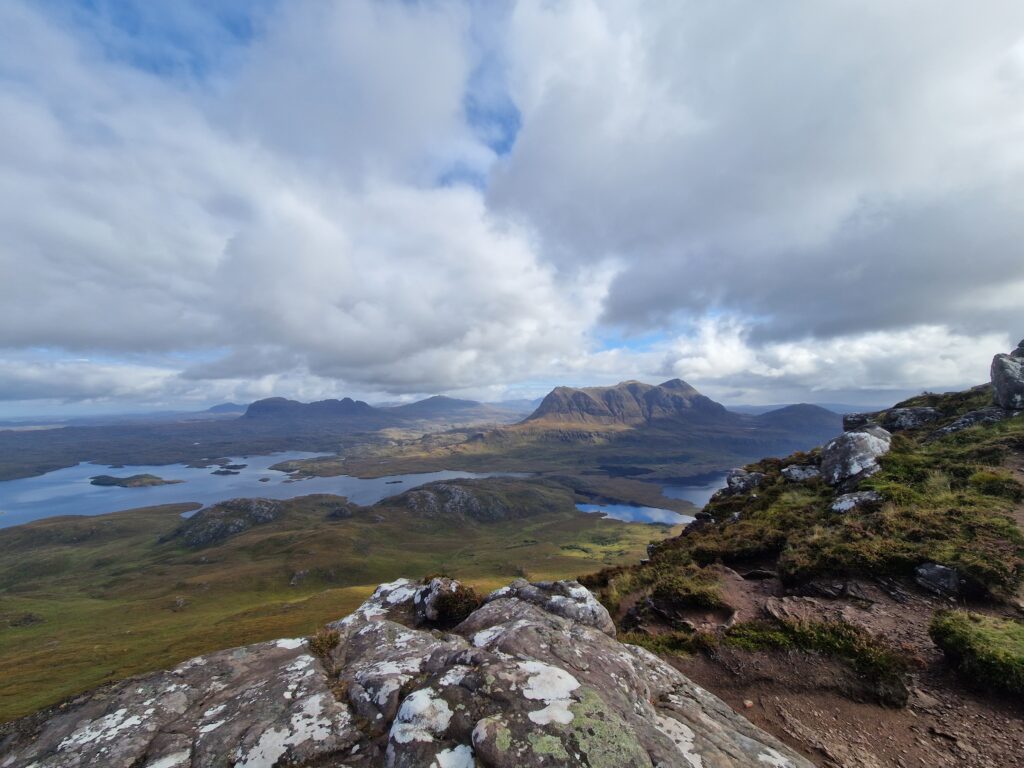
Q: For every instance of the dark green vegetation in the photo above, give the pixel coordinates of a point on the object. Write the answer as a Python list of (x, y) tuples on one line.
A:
[(987, 651), (101, 598), (951, 500), (132, 481)]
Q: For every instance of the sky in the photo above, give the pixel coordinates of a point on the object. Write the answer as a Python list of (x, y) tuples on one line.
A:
[(222, 200)]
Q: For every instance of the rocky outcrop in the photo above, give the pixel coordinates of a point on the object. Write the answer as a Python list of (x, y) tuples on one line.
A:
[(534, 677), (858, 499), (1008, 379), (894, 419), (741, 481), (898, 419), (990, 415), (799, 473), (218, 523), (853, 456), (939, 579)]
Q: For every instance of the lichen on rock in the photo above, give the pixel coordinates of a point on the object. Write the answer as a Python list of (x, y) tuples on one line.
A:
[(533, 677)]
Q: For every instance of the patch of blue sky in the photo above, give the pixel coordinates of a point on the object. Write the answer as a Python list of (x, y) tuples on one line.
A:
[(617, 338), (489, 108), (177, 39)]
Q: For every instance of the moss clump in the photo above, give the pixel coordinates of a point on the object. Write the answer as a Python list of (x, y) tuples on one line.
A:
[(672, 579), (322, 645), (986, 650), (453, 606), (691, 587)]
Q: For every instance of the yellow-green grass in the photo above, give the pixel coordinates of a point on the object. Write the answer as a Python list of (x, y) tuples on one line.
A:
[(986, 650), (112, 602)]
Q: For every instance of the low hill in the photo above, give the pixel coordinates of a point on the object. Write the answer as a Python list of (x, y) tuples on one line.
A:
[(451, 410)]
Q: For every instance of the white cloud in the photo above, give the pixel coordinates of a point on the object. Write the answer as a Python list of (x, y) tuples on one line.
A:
[(790, 199)]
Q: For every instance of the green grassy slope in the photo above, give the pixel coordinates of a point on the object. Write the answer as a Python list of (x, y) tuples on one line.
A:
[(87, 600)]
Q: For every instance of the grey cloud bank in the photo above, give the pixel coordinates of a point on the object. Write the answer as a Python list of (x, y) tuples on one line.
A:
[(791, 201)]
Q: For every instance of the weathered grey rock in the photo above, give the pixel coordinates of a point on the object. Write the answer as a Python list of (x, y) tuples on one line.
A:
[(990, 415), (532, 678), (798, 473), (219, 522), (897, 419), (741, 481), (939, 579), (1008, 379), (853, 456), (850, 501)]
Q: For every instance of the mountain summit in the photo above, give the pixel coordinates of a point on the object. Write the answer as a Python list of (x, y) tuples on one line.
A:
[(630, 402)]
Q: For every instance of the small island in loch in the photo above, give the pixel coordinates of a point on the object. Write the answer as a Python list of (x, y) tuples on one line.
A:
[(132, 481)]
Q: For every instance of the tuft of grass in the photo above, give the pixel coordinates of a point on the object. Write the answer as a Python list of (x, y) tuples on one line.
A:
[(676, 643), (672, 579), (996, 483), (692, 587), (454, 606), (986, 650), (323, 643)]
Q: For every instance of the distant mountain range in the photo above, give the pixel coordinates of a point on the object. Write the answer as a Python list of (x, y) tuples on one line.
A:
[(670, 411), (438, 409)]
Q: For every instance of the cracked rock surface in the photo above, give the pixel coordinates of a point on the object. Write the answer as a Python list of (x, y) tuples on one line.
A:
[(534, 677)]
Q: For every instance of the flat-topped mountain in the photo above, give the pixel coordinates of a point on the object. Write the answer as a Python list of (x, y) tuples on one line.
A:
[(282, 408), (629, 402)]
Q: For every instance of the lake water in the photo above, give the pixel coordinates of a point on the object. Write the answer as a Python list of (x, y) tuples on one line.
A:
[(69, 492), (696, 490), (634, 514)]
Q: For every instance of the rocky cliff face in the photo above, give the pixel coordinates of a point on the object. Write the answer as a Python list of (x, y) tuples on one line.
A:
[(533, 677)]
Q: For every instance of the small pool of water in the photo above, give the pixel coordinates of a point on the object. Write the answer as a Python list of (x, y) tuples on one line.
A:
[(697, 490), (634, 514), (69, 491)]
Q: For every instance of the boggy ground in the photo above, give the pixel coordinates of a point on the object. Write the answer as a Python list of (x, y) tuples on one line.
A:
[(811, 623)]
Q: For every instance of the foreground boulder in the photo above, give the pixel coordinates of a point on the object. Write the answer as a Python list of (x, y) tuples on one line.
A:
[(1008, 379), (534, 677), (853, 456)]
